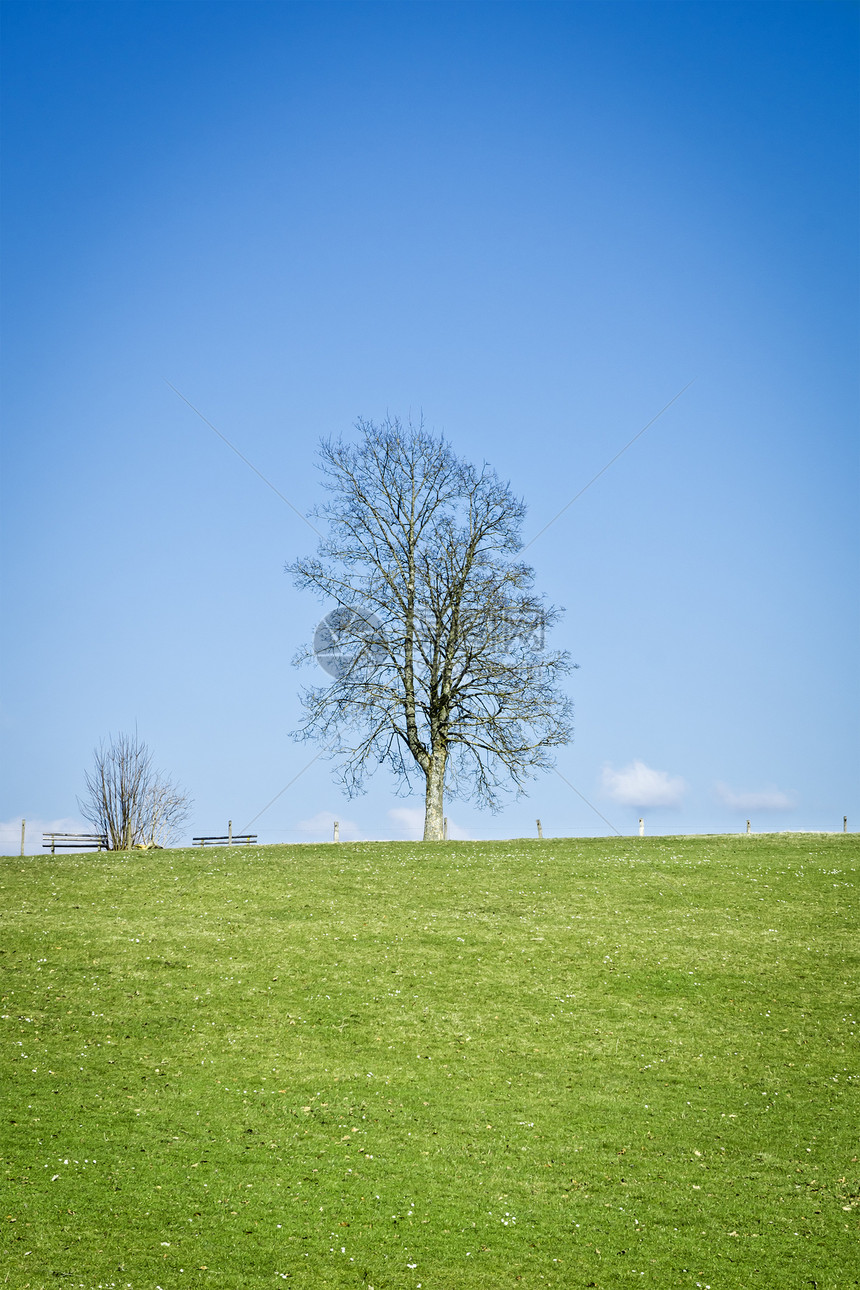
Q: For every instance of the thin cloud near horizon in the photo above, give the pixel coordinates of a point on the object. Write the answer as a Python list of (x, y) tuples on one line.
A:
[(10, 833), (411, 820), (640, 785), (769, 799), (320, 828)]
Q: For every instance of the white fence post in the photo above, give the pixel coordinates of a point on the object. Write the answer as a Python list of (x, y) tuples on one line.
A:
[(337, 830), (641, 827), (23, 831), (229, 833)]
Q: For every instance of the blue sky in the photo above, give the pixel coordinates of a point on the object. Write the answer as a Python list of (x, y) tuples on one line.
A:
[(534, 223)]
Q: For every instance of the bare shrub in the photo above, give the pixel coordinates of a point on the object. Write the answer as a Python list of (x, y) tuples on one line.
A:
[(128, 800)]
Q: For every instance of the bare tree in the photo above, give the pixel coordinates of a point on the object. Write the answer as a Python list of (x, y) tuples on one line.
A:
[(128, 800), (437, 646)]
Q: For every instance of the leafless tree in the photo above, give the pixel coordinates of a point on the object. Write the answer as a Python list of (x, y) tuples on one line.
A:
[(438, 637), (128, 800)]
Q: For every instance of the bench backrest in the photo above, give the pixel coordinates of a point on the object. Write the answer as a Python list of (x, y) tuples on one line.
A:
[(75, 841)]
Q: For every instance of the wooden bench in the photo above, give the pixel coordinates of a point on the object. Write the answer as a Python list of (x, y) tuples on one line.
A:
[(75, 841), (246, 839)]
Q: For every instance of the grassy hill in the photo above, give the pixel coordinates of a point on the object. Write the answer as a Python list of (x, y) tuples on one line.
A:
[(571, 1063)]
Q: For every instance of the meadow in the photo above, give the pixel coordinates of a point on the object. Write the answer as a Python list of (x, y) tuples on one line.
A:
[(391, 1066)]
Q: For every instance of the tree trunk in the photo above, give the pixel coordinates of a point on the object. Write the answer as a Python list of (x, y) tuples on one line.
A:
[(435, 808)]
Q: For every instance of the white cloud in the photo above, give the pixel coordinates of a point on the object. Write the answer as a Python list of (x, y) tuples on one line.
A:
[(320, 828), (769, 799), (457, 833), (639, 785), (10, 833), (411, 821)]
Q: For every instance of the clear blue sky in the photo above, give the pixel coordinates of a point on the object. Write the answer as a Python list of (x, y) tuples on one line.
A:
[(534, 222)]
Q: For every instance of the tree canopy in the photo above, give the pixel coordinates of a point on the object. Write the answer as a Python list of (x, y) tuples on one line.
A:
[(437, 643)]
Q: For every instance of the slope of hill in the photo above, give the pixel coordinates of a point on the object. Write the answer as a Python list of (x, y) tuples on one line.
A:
[(562, 1063)]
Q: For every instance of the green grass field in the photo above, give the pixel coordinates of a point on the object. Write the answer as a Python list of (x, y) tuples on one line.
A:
[(574, 1063)]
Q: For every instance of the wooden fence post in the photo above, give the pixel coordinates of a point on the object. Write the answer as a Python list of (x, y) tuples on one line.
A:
[(641, 827), (337, 830), (229, 833), (23, 831), (540, 830), (748, 826)]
